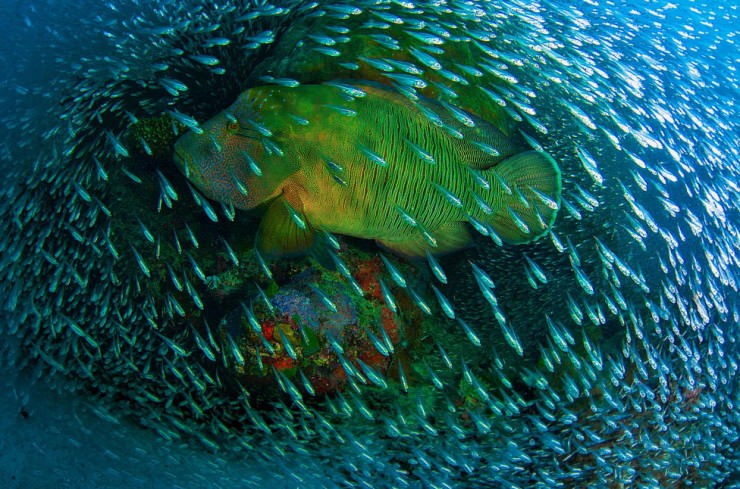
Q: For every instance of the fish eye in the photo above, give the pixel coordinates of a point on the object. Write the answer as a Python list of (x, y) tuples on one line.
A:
[(233, 126)]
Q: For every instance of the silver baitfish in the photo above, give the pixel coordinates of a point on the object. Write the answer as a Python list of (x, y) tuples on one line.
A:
[(604, 353)]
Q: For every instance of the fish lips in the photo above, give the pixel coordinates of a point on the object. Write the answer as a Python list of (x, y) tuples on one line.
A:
[(183, 162)]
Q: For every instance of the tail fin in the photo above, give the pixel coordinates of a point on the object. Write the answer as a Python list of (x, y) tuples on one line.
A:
[(529, 210)]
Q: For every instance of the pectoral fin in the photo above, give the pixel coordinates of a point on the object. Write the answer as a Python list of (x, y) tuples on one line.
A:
[(284, 230)]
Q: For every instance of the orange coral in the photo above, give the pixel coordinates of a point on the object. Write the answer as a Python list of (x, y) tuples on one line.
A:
[(283, 363), (366, 274)]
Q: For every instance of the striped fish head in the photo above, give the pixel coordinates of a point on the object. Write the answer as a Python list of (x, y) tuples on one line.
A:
[(233, 158)]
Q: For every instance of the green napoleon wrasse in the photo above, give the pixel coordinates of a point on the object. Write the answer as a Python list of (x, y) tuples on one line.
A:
[(366, 161)]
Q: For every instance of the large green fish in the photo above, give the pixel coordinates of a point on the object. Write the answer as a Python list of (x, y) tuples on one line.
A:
[(366, 161)]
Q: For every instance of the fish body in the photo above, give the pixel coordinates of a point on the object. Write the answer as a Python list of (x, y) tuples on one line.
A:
[(350, 171)]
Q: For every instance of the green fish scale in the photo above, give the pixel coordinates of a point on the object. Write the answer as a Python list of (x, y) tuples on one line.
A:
[(374, 191)]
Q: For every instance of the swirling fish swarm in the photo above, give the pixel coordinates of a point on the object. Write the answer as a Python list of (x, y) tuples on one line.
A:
[(602, 355)]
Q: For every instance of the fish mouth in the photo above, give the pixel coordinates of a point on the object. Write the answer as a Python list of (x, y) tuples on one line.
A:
[(182, 162), (177, 156)]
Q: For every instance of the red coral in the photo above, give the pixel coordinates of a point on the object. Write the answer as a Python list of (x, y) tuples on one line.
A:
[(283, 363), (375, 359), (338, 376), (268, 328), (366, 274), (389, 324)]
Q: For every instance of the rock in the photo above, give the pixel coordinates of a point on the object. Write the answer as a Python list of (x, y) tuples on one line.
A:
[(327, 328)]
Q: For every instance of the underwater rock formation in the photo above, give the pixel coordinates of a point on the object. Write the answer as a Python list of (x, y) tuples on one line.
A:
[(604, 353), (315, 334)]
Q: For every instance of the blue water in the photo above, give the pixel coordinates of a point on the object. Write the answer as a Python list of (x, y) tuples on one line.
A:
[(648, 89)]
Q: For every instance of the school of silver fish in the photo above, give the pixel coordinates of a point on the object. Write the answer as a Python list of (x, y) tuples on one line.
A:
[(602, 355)]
